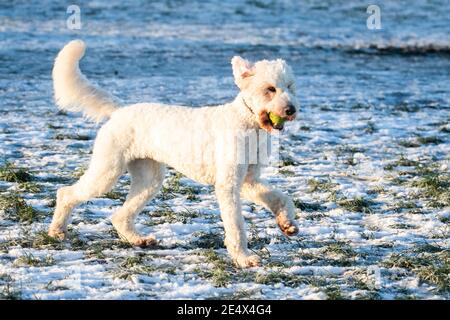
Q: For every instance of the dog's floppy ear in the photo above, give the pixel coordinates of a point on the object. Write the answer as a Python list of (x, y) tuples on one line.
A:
[(242, 70)]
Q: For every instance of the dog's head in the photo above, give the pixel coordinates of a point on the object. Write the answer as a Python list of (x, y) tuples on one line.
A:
[(266, 87)]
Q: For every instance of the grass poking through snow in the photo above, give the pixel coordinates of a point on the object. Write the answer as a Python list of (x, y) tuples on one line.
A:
[(14, 207), (9, 172)]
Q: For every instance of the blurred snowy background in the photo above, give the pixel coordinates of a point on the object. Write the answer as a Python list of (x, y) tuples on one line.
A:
[(367, 162)]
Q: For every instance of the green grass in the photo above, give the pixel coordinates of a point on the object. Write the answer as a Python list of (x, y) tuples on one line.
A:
[(236, 295), (288, 161), (402, 162), (173, 186), (445, 220), (340, 249), (167, 215), (114, 195), (427, 248), (308, 206), (51, 202), (350, 160), (420, 140), (30, 187), (321, 185), (436, 275), (10, 173), (15, 208), (140, 264), (7, 289), (81, 137), (403, 226), (334, 253), (78, 172), (435, 186), (405, 107), (431, 267), (409, 206), (43, 240), (220, 277), (445, 129), (29, 259), (347, 149), (131, 262), (38, 240), (408, 143), (432, 181), (338, 253), (371, 128), (429, 140), (358, 204), (285, 172), (208, 240), (95, 252), (278, 276), (54, 127), (255, 242), (312, 217), (51, 287), (362, 279), (376, 190), (334, 293), (220, 273)]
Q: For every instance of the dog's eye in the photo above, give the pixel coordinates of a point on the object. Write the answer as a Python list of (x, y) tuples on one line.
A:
[(271, 89)]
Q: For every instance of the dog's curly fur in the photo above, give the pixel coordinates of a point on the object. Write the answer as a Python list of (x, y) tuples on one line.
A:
[(144, 138)]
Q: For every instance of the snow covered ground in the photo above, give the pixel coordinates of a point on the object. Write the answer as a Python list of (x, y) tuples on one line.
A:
[(367, 162)]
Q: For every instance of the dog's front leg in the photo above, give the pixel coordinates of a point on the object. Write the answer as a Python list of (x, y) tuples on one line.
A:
[(228, 194), (260, 192)]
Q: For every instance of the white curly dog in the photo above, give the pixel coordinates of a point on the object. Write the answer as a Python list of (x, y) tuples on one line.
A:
[(144, 138)]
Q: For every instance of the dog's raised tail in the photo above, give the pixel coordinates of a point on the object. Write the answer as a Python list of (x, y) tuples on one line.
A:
[(73, 92)]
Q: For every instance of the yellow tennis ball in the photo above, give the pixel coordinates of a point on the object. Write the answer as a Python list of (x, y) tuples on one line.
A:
[(276, 119)]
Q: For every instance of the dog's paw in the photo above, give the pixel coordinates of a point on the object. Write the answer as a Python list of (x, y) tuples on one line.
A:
[(245, 261), (145, 242), (57, 233), (288, 227)]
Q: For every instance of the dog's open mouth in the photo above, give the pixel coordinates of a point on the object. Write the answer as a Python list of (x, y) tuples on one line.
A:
[(270, 122), (278, 125)]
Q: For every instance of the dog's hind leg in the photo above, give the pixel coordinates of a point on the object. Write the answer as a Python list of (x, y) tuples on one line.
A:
[(146, 180), (92, 184), (106, 166)]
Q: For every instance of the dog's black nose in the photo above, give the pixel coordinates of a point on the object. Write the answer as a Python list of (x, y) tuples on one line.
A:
[(290, 110)]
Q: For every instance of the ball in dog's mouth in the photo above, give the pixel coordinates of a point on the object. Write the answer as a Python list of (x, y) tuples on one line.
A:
[(276, 121), (270, 121)]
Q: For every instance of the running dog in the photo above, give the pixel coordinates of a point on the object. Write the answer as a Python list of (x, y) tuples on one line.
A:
[(144, 138)]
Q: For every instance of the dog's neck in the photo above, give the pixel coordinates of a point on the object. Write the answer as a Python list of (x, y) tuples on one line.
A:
[(245, 111), (246, 105)]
